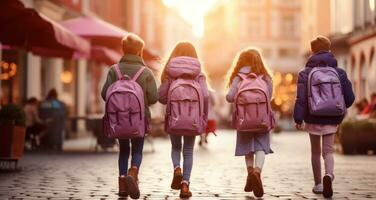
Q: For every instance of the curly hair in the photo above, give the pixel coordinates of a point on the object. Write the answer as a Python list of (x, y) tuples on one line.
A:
[(248, 57)]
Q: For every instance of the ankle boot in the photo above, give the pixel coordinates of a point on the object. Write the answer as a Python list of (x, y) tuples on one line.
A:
[(258, 189), (249, 186), (122, 187), (177, 179), (131, 182), (184, 191)]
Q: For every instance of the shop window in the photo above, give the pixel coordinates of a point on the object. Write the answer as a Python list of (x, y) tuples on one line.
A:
[(287, 52)]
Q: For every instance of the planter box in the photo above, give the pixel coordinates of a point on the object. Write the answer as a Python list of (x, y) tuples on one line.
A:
[(358, 136), (12, 142)]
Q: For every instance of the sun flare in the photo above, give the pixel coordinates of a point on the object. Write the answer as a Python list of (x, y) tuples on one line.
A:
[(193, 11)]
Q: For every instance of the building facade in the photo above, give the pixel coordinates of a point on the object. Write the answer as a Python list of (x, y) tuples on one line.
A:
[(273, 26), (353, 29)]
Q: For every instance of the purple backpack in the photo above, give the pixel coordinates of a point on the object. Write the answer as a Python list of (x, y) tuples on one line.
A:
[(325, 96), (124, 116), (252, 110), (185, 108)]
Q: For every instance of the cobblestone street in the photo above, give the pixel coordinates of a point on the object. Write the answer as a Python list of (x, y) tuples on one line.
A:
[(217, 174)]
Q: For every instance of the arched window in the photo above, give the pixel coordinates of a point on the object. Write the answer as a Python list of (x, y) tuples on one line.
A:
[(362, 76), (371, 74), (352, 70)]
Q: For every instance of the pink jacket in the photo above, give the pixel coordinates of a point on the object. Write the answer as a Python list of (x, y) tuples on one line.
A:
[(184, 67)]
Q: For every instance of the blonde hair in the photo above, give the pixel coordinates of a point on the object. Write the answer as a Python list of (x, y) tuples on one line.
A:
[(248, 57), (132, 44), (183, 48)]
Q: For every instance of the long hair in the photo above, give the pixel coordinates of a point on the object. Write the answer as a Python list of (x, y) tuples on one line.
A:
[(248, 57), (183, 48)]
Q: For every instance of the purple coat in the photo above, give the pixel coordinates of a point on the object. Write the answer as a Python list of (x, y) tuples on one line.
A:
[(301, 111), (184, 67)]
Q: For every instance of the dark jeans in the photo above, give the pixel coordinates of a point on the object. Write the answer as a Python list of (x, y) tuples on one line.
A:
[(125, 150)]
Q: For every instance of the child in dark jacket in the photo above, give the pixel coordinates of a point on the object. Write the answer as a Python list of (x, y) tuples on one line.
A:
[(319, 127)]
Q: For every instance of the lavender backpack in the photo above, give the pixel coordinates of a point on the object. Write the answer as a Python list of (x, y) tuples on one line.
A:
[(124, 117), (325, 97), (185, 108), (252, 110)]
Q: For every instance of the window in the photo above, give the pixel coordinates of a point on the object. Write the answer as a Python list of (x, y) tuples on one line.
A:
[(288, 25), (252, 2), (251, 25), (286, 52)]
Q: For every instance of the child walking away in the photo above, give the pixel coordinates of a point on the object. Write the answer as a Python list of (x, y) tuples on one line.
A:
[(323, 95), (250, 91), (185, 93), (129, 90)]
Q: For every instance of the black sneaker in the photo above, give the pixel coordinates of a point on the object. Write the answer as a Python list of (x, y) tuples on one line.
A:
[(328, 189)]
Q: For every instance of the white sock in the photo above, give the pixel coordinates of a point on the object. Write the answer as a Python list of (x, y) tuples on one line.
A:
[(260, 158)]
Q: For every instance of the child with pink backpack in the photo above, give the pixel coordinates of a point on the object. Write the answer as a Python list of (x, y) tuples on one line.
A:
[(250, 92), (324, 93), (185, 93), (129, 90)]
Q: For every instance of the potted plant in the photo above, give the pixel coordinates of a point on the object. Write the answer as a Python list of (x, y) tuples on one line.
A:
[(348, 137), (12, 126), (358, 136)]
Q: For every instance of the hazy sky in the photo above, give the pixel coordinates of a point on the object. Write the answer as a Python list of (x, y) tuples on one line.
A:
[(193, 11)]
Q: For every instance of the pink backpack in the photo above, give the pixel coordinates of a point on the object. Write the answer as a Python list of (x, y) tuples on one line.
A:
[(124, 116), (185, 108), (252, 110)]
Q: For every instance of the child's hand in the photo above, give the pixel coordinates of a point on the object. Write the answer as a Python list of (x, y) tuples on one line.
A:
[(299, 127)]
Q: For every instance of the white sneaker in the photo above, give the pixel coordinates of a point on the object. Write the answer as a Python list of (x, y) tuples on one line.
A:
[(318, 189)]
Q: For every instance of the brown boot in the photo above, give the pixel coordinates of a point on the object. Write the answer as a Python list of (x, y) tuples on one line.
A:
[(177, 179), (249, 186), (131, 182), (184, 191), (258, 189), (122, 187)]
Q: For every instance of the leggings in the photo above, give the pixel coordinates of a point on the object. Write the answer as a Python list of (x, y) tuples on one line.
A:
[(137, 147), (189, 142), (326, 150)]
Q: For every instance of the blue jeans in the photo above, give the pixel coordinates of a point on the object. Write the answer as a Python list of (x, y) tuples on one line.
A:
[(189, 142), (137, 147)]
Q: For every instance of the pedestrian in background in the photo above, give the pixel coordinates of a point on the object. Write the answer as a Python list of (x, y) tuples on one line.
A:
[(252, 144), (185, 92), (53, 111), (324, 93), (34, 125), (212, 124), (130, 65)]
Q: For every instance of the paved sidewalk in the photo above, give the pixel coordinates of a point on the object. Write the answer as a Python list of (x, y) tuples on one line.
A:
[(217, 174)]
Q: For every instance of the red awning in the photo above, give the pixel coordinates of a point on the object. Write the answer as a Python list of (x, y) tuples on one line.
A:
[(104, 55), (27, 28)]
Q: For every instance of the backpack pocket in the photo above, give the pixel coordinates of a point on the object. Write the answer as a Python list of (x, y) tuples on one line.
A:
[(252, 112), (184, 115)]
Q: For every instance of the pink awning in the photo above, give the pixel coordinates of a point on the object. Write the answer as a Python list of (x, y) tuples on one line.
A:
[(98, 31), (27, 28)]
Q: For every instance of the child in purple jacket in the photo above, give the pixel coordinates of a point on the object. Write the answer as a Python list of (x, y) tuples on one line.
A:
[(319, 127)]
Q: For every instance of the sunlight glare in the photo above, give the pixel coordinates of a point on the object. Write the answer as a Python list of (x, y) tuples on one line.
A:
[(193, 11)]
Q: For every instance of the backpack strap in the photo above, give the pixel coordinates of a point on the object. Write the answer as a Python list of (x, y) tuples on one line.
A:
[(118, 72), (138, 73)]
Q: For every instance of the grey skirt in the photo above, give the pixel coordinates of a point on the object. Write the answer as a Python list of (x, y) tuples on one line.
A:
[(249, 143)]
